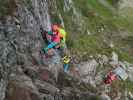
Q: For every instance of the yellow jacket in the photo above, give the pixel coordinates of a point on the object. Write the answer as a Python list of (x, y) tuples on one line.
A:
[(62, 34)]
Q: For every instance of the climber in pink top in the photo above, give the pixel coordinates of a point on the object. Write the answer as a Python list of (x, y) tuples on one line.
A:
[(54, 39)]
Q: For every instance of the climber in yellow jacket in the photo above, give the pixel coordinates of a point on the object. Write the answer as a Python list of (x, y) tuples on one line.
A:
[(66, 63)]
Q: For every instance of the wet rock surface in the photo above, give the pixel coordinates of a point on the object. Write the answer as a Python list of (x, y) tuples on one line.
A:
[(26, 75)]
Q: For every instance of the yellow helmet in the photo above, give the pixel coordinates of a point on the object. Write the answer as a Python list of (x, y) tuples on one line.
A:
[(66, 59)]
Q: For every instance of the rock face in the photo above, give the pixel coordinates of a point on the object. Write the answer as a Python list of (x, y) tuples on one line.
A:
[(87, 71), (7, 54), (126, 4), (26, 74), (20, 45), (17, 92), (129, 68)]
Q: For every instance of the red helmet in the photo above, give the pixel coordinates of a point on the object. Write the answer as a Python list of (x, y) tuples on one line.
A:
[(55, 27)]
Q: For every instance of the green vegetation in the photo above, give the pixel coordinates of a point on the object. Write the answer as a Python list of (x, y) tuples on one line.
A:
[(103, 23), (113, 2), (7, 7), (120, 85), (89, 45), (129, 85), (4, 7)]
